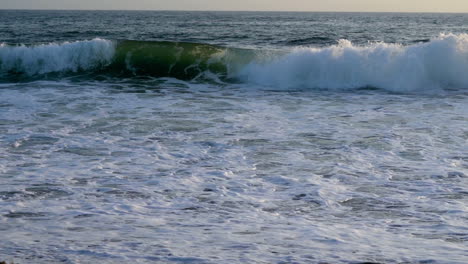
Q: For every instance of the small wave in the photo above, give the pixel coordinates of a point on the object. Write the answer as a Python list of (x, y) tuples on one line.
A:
[(420, 40), (321, 40), (441, 63)]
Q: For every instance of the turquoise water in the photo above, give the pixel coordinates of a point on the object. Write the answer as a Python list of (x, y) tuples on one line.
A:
[(233, 137)]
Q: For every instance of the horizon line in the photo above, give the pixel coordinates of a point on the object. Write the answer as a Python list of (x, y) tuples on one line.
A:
[(253, 11)]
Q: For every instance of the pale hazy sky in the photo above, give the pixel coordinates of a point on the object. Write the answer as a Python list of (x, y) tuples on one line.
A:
[(460, 6)]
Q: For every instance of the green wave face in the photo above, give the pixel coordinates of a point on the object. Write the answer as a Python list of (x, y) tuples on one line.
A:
[(184, 61), (169, 59)]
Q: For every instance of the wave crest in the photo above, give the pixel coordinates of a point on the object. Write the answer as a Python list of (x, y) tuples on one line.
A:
[(437, 64), (53, 57)]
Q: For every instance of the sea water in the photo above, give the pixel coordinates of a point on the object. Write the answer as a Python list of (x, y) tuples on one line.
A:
[(233, 137)]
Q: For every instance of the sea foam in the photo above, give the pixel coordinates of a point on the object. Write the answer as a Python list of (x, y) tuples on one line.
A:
[(439, 64), (56, 57)]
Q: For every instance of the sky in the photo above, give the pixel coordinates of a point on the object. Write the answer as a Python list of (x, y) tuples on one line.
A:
[(458, 6)]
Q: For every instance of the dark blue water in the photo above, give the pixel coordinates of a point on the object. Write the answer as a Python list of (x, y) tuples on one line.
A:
[(233, 29)]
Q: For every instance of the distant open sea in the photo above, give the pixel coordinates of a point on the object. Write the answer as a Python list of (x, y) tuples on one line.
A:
[(233, 137)]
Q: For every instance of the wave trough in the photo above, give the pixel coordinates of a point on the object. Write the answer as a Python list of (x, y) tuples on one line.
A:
[(441, 63)]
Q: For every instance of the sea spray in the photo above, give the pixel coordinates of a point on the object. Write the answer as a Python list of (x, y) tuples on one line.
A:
[(56, 57), (439, 64)]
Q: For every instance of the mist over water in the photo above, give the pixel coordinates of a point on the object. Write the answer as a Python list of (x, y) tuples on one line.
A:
[(230, 137)]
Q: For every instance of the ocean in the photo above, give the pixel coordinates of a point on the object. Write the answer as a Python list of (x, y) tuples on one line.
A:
[(233, 137)]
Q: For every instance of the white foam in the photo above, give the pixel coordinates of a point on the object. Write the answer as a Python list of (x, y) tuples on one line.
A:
[(439, 64), (53, 57)]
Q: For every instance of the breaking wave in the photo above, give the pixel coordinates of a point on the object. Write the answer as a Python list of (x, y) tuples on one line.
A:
[(441, 63), (54, 57)]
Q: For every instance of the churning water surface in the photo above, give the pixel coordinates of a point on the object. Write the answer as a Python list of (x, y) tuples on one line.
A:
[(233, 137)]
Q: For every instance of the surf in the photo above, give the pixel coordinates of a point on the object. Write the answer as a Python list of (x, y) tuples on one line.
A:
[(440, 63), (55, 57)]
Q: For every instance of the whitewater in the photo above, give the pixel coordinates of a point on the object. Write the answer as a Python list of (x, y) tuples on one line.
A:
[(438, 64), (233, 137)]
